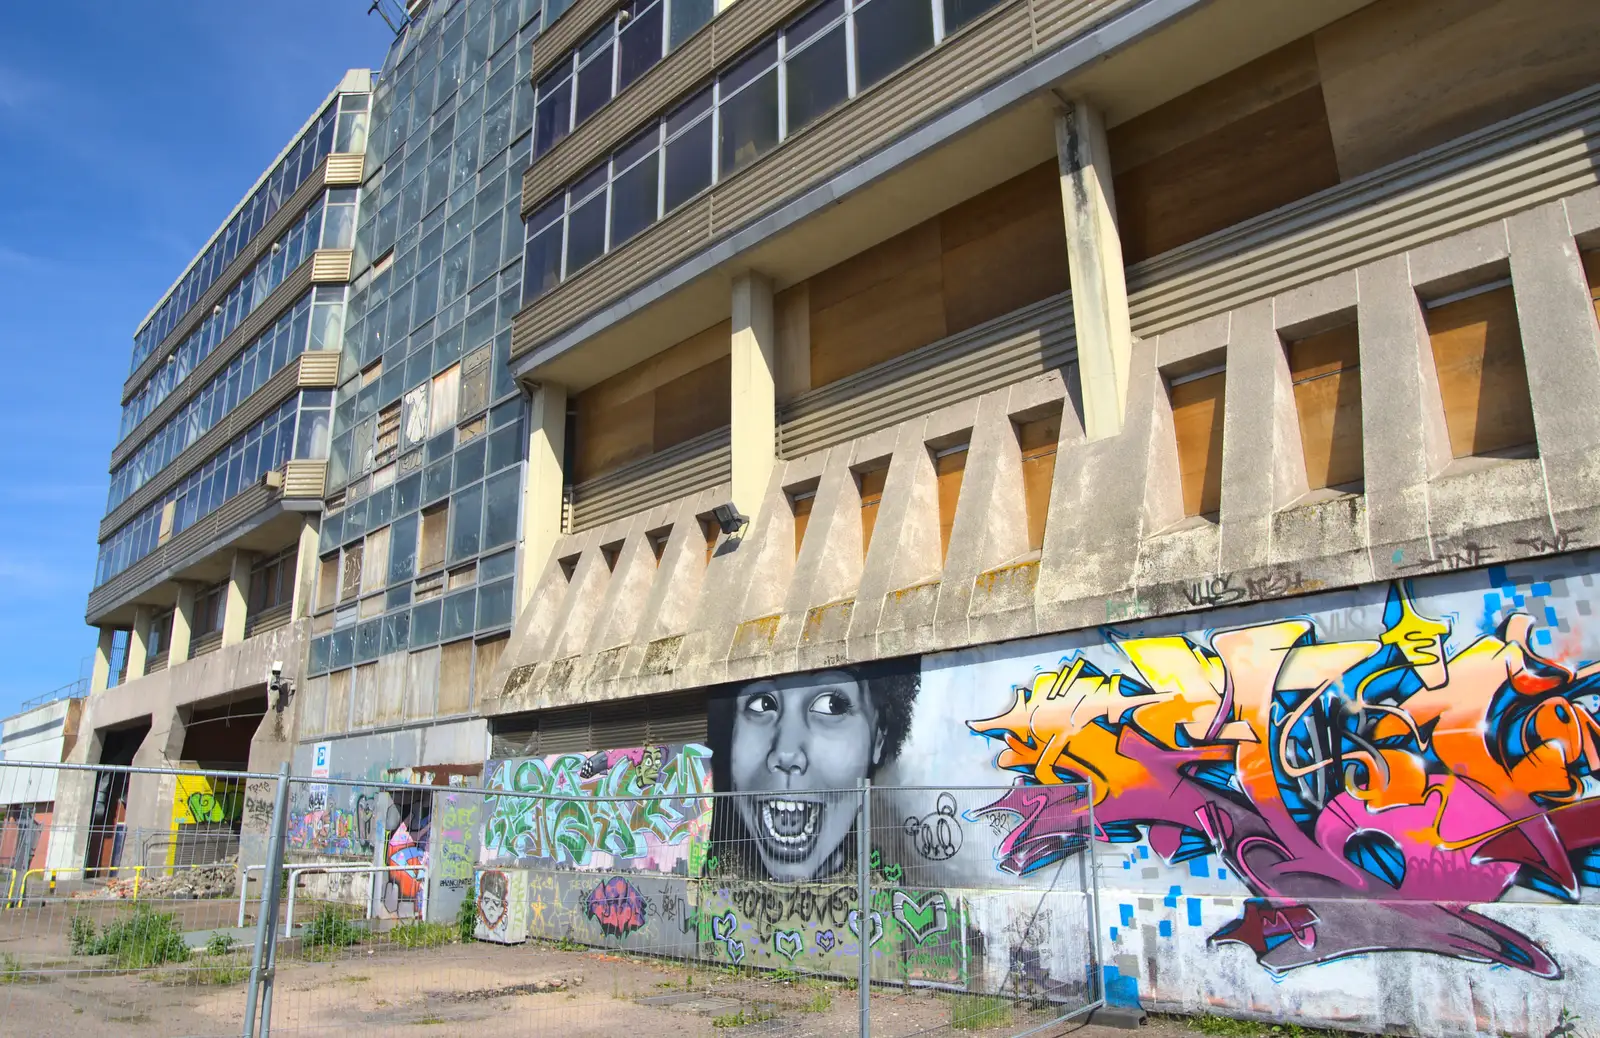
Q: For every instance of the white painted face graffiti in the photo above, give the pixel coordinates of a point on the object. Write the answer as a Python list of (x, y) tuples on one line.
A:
[(793, 739)]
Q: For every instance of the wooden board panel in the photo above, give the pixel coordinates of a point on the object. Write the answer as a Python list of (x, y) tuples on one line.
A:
[(489, 653), (455, 678), (612, 436), (877, 305), (693, 403), (1477, 350), (1197, 419), (791, 312), (1038, 440), (1404, 75), (1003, 249), (801, 506), (871, 484), (948, 471), (1255, 164), (337, 718), (431, 540), (375, 569), (1325, 370)]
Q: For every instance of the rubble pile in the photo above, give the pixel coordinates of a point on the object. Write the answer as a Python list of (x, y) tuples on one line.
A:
[(211, 881)]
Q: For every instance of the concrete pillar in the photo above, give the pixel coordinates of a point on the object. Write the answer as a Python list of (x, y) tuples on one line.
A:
[(238, 602), (182, 624), (305, 567), (139, 641), (1094, 260), (542, 484), (100, 677), (754, 404)]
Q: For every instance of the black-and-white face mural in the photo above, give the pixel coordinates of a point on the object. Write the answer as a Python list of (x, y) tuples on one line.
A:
[(795, 748)]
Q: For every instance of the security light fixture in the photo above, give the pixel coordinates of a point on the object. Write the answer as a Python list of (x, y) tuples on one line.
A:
[(729, 518), (279, 689)]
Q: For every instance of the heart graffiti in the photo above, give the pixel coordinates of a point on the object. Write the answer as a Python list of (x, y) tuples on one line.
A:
[(788, 943), (876, 926), (922, 919), (722, 929), (825, 941)]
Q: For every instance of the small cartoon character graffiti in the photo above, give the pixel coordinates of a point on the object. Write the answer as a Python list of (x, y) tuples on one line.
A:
[(493, 897), (406, 853)]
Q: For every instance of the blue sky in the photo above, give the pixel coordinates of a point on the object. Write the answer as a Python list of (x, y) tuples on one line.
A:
[(127, 133)]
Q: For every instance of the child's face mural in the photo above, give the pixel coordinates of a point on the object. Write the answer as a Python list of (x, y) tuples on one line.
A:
[(492, 902), (792, 738)]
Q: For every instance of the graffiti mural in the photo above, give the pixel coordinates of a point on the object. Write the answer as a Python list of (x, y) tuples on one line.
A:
[(795, 746), (408, 820), (335, 820), (502, 906), (1372, 775), (655, 823)]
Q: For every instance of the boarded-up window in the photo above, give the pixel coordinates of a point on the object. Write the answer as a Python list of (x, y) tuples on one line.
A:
[(375, 570), (474, 383), (455, 678), (1197, 419), (489, 653), (350, 585), (1477, 351), (446, 388), (328, 582), (1038, 438), (800, 503), (386, 446), (337, 718), (169, 512), (414, 416), (313, 706), (870, 483), (435, 524), (364, 708), (1326, 372), (949, 466)]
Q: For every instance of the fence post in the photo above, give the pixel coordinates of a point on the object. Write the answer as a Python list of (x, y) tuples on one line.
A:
[(261, 964), (864, 908), (1097, 987)]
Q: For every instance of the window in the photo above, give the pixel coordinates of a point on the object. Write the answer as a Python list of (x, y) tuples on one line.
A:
[(209, 606), (1325, 371), (328, 582), (350, 582), (657, 540), (434, 523), (272, 583), (1477, 351), (870, 482), (949, 466), (1038, 439), (800, 502), (160, 634), (1197, 419), (809, 64)]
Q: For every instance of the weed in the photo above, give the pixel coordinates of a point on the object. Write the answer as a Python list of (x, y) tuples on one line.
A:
[(143, 939), (10, 969), (429, 1021), (1228, 1027), (467, 917), (331, 928), (220, 943), (784, 975), (418, 934), (821, 1002), (742, 1018), (979, 1012), (82, 935), (230, 972), (1566, 1025)]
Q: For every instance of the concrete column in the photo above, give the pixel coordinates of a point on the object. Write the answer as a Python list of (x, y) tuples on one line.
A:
[(238, 601), (182, 624), (542, 484), (754, 404), (1094, 260), (139, 642), (100, 677), (305, 567)]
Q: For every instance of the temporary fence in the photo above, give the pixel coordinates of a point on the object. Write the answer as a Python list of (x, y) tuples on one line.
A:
[(350, 906)]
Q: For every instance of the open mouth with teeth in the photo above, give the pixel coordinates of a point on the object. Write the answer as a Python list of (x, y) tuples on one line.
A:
[(790, 827)]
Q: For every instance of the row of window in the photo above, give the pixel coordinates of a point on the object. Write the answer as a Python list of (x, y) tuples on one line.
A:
[(316, 322), (287, 253), (815, 63), (637, 36), (297, 429), (342, 127)]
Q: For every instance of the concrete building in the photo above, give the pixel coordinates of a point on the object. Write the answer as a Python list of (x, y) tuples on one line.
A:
[(46, 730), (1190, 396)]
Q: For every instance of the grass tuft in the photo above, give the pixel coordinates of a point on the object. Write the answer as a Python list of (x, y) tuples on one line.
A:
[(331, 928), (141, 940), (979, 1012), (742, 1018), (418, 934)]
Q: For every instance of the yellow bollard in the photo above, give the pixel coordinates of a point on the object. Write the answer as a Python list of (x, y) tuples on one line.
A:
[(138, 872), (52, 883)]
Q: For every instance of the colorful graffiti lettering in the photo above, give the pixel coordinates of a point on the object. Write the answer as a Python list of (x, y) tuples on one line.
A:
[(617, 907), (1349, 784), (628, 809)]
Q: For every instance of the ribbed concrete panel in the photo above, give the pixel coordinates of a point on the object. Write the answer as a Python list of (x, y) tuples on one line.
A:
[(131, 581), (1008, 349), (1056, 20), (281, 299), (345, 169), (280, 222), (563, 34), (263, 401), (268, 620), (641, 258), (304, 479), (1515, 165), (693, 465), (319, 369)]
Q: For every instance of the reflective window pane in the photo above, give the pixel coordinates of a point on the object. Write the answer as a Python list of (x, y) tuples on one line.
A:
[(750, 123), (889, 33), (633, 200), (817, 78), (586, 233), (640, 45)]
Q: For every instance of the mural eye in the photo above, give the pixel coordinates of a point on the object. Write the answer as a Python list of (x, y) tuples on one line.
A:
[(833, 704), (761, 703)]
